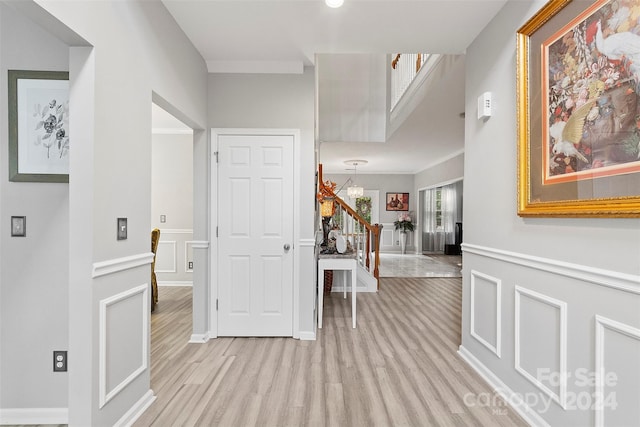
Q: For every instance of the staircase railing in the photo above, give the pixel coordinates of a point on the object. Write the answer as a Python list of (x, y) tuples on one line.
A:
[(364, 237)]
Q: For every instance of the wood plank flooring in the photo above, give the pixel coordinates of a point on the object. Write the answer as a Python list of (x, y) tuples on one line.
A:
[(399, 367)]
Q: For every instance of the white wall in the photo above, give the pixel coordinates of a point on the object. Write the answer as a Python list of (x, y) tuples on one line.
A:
[(172, 196), (34, 270), (286, 102), (552, 275), (136, 53)]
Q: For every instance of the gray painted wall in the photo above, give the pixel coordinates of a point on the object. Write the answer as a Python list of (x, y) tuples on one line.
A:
[(172, 181), (110, 178), (277, 101), (385, 184), (34, 270), (537, 286), (172, 196)]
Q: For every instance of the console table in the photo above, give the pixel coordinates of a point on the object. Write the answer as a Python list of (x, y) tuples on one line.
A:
[(338, 262)]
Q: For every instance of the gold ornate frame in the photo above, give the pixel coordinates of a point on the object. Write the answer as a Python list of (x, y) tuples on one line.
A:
[(591, 197)]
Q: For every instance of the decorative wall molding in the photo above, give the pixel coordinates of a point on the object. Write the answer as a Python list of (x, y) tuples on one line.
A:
[(307, 243), (390, 238), (561, 396), (603, 323), (183, 283), (34, 416), (496, 349), (171, 255), (136, 410), (612, 279), (107, 395), (116, 265), (187, 259), (307, 336), (199, 338), (200, 244), (514, 399), (175, 231)]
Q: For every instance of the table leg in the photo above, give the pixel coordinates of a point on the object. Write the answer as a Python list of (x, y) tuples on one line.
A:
[(353, 294), (320, 295), (344, 283)]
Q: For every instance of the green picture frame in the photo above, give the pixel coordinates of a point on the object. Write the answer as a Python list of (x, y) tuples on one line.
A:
[(38, 126)]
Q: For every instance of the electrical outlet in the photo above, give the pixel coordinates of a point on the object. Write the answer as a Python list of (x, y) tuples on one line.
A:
[(163, 218), (190, 265), (59, 361)]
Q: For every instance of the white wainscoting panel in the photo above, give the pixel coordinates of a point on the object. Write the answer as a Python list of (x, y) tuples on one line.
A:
[(479, 284), (122, 357), (561, 329), (620, 404), (390, 239), (175, 252), (166, 257)]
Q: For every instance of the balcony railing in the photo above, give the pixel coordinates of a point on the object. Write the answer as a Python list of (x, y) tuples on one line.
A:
[(404, 69)]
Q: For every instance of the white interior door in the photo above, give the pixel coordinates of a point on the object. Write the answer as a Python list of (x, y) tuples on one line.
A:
[(255, 235)]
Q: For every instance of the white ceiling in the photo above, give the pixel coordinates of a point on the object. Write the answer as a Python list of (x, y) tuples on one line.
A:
[(284, 36)]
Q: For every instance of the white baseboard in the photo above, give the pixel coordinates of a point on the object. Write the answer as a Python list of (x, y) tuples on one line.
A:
[(26, 416), (136, 410), (307, 336), (186, 283), (199, 338), (512, 398)]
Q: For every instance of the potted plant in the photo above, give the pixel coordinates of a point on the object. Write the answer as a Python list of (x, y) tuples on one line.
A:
[(404, 224)]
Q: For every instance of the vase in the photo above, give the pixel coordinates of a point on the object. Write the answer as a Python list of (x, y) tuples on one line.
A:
[(403, 242)]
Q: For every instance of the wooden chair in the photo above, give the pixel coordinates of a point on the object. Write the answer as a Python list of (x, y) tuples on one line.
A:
[(155, 237)]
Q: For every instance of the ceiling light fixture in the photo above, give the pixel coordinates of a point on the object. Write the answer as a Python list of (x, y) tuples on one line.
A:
[(334, 3), (354, 191)]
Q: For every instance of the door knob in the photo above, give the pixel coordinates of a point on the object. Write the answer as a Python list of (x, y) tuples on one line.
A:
[(286, 247)]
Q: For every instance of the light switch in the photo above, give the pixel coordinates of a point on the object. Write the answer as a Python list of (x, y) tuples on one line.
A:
[(122, 228)]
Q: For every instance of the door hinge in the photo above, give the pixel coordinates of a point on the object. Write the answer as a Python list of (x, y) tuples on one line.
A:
[(216, 304), (216, 154), (216, 231)]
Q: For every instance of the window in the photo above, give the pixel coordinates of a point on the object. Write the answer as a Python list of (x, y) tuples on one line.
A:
[(438, 210)]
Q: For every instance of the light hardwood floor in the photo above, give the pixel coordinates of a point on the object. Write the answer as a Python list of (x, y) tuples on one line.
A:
[(399, 367)]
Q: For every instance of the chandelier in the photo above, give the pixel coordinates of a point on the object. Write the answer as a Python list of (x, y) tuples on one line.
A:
[(354, 190)]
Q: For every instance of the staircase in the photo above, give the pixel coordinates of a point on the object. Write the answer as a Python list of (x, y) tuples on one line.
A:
[(363, 237)]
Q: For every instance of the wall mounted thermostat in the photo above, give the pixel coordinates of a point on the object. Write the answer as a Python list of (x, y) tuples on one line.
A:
[(484, 106), (122, 228)]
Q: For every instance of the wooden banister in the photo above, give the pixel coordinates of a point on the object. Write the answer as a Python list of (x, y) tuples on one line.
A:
[(325, 189)]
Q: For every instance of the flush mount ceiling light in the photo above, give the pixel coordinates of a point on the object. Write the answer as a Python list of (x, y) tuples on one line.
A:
[(334, 3), (354, 191)]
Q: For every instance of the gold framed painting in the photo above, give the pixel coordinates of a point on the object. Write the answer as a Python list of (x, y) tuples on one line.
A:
[(578, 109)]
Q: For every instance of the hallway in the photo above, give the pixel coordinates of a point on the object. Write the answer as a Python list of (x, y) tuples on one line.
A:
[(400, 366)]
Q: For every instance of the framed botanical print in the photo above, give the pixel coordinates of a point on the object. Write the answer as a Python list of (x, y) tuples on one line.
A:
[(38, 126)]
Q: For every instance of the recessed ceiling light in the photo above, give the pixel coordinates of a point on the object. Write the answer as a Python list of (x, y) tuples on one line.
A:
[(334, 3)]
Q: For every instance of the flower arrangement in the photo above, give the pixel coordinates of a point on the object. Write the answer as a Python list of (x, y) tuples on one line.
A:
[(404, 222)]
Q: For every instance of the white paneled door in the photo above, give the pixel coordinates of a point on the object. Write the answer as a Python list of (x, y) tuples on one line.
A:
[(255, 235)]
